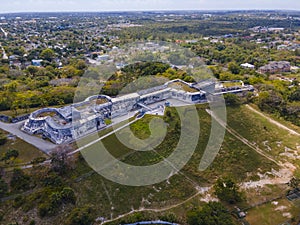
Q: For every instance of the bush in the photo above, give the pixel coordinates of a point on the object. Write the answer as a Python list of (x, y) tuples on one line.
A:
[(227, 190), (210, 214), (68, 195), (3, 139), (80, 216), (172, 218), (38, 160), (47, 209), (43, 210), (10, 154), (56, 200), (1, 215), (19, 200), (232, 99), (3, 188), (52, 180), (20, 181)]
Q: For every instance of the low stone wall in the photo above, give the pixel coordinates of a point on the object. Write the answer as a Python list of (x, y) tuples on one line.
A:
[(9, 119), (4, 118)]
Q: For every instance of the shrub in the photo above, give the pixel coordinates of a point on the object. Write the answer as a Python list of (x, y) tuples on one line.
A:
[(19, 200), (227, 190), (43, 210), (3, 188), (80, 216), (53, 180), (3, 139), (210, 213), (20, 181), (38, 160), (68, 195), (11, 153)]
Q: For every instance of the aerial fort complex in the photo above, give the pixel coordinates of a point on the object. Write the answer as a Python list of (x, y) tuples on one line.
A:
[(62, 125)]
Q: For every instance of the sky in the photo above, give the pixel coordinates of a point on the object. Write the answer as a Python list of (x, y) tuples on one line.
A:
[(136, 5)]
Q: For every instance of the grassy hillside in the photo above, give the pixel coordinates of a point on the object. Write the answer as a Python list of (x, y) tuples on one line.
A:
[(235, 159)]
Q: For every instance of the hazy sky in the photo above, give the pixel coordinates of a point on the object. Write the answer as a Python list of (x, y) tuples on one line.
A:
[(124, 5)]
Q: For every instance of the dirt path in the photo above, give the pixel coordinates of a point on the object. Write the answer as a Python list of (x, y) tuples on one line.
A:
[(273, 121), (282, 176), (200, 191), (242, 139), (287, 169)]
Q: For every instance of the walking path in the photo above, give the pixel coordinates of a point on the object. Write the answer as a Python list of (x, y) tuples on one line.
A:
[(156, 210), (273, 121), (281, 177), (241, 138)]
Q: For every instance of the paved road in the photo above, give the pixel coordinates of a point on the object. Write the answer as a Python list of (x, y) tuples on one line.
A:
[(5, 33), (14, 128)]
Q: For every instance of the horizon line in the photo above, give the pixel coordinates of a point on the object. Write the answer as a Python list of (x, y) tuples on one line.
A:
[(154, 10)]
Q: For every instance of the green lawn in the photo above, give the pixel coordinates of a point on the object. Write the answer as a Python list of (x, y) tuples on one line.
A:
[(232, 84), (271, 214), (27, 152)]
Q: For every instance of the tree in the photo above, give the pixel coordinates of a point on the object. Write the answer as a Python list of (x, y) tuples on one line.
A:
[(216, 70), (232, 99), (3, 139), (3, 188), (294, 182), (68, 195), (227, 190), (234, 68), (270, 101), (20, 180), (295, 95), (10, 154), (211, 213), (79, 64), (45, 209), (80, 216), (52, 179), (55, 200), (47, 54), (58, 162), (226, 76), (32, 70)]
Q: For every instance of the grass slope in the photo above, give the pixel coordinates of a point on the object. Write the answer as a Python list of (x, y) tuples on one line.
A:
[(109, 200)]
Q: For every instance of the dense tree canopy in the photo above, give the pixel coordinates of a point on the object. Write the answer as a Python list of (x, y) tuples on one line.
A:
[(212, 213), (47, 54), (227, 190)]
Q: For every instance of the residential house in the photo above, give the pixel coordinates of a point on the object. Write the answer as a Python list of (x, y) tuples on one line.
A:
[(247, 66), (275, 67)]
